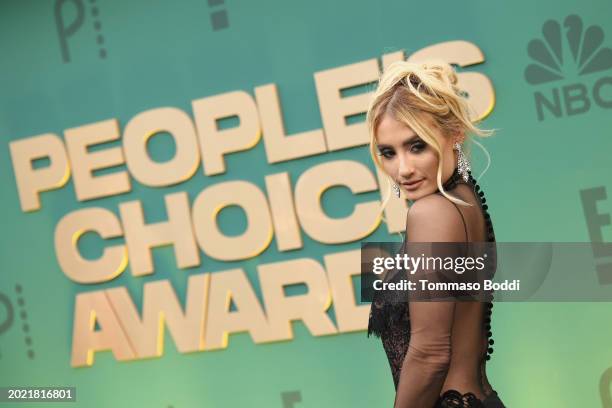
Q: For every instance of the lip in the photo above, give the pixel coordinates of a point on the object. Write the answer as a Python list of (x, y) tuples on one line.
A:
[(414, 185)]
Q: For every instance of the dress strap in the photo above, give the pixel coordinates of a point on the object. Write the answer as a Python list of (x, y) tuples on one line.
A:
[(453, 181), (462, 220)]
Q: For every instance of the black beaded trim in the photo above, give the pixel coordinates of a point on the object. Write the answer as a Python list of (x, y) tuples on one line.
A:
[(455, 179), (490, 238)]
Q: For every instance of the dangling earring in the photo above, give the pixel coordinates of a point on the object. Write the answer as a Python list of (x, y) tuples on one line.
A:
[(463, 164), (396, 189)]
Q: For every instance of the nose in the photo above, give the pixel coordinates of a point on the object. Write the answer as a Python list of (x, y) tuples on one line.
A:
[(406, 168)]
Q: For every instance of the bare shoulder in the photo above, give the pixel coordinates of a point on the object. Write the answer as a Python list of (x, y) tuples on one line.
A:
[(434, 218)]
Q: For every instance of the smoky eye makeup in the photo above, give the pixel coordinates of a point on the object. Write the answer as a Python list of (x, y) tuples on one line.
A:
[(415, 144), (385, 152)]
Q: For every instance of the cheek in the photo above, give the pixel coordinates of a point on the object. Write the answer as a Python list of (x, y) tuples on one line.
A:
[(429, 162), (390, 166)]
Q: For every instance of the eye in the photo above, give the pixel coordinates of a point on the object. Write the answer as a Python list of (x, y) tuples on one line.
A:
[(418, 147), (386, 153)]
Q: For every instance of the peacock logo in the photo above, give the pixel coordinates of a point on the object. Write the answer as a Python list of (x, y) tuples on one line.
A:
[(569, 52), (551, 62)]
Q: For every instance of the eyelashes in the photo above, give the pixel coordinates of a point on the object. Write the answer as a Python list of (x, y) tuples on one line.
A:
[(416, 148), (387, 153)]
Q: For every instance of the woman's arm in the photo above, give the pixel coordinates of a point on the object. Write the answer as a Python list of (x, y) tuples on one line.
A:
[(428, 357), (430, 219)]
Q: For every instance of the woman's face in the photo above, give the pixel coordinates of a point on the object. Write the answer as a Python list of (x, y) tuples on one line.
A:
[(409, 160)]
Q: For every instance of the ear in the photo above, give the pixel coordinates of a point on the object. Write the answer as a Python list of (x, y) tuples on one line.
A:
[(459, 137)]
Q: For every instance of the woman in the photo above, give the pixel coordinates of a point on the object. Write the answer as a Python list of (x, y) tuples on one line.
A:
[(418, 120)]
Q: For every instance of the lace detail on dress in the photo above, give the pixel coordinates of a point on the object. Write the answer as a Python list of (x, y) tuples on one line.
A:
[(395, 342), (391, 321), (454, 399)]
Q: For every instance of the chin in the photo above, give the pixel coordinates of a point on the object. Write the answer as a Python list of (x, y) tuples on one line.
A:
[(420, 192), (413, 195)]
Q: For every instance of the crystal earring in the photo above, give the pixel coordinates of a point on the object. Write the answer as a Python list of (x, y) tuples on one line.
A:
[(396, 189), (463, 163)]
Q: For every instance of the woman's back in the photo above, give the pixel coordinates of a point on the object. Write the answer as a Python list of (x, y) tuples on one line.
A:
[(465, 383), (469, 342)]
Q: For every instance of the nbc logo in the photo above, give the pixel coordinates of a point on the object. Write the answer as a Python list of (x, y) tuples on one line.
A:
[(568, 52)]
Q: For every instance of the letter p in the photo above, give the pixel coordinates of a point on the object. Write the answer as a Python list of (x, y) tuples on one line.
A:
[(31, 181), (64, 31)]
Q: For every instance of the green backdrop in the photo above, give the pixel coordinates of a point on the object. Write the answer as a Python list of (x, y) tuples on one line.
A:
[(160, 53)]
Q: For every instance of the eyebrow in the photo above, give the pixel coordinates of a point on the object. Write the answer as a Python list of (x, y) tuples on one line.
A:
[(407, 142)]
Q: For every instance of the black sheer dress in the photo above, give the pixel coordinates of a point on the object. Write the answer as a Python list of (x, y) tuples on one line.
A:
[(391, 321)]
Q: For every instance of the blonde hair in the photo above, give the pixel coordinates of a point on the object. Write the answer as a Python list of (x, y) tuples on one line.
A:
[(419, 95)]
